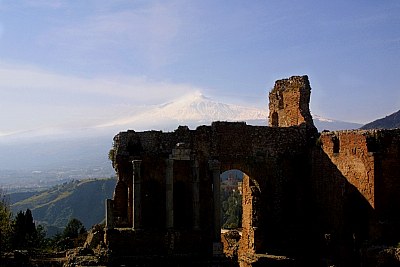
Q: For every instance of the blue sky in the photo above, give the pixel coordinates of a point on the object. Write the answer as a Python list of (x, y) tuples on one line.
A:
[(77, 63)]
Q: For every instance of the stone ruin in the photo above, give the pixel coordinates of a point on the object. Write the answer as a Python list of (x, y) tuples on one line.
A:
[(311, 198)]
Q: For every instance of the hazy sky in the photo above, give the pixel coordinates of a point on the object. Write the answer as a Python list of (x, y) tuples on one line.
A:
[(73, 63)]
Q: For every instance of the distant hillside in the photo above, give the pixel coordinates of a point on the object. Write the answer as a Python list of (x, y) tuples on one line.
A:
[(389, 122), (83, 200), (333, 125), (54, 155)]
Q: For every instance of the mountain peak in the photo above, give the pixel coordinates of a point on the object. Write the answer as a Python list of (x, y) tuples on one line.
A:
[(193, 110), (196, 109)]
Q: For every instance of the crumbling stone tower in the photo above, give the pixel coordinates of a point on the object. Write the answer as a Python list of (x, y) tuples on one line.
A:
[(335, 191), (289, 102), (167, 203)]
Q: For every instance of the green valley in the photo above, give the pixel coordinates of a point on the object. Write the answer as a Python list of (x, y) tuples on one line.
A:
[(54, 207)]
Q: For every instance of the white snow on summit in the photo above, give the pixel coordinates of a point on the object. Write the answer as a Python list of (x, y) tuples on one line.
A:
[(322, 119), (196, 109), (192, 110)]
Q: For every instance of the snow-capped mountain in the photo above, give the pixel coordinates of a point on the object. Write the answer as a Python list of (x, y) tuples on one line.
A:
[(56, 148), (196, 109), (191, 110)]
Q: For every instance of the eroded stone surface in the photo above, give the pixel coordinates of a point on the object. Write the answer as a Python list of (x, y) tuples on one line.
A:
[(334, 192), (289, 102)]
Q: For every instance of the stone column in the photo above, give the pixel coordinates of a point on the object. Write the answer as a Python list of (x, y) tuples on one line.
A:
[(215, 166), (196, 195), (109, 214), (137, 198), (169, 186)]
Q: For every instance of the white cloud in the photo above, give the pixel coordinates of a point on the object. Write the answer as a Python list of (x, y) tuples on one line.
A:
[(138, 89), (34, 98)]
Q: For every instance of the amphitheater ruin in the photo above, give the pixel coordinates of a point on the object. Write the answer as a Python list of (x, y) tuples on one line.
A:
[(307, 196)]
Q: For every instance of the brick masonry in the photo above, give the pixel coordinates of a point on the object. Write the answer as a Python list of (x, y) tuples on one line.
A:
[(335, 190)]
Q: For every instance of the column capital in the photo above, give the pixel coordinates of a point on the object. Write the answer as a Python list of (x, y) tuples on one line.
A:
[(136, 162), (136, 167)]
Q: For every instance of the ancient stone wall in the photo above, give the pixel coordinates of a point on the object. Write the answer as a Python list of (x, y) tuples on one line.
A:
[(249, 192), (355, 180), (369, 160), (349, 152), (274, 158), (289, 102), (385, 144), (334, 192)]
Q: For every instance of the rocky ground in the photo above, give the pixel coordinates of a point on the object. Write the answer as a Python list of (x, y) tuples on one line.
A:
[(95, 253)]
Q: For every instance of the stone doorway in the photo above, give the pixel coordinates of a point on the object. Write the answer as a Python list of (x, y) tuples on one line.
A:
[(239, 235)]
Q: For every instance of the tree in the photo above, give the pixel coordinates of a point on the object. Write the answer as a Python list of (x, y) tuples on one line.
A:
[(72, 236), (5, 223), (25, 233), (39, 237), (232, 210), (73, 229), (19, 231)]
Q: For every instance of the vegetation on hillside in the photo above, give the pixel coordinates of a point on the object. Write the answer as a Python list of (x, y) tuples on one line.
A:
[(23, 241), (54, 207), (25, 233), (5, 222), (21, 233), (74, 235)]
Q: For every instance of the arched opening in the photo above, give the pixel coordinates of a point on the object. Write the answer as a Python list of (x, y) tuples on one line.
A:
[(239, 213), (240, 201), (274, 119)]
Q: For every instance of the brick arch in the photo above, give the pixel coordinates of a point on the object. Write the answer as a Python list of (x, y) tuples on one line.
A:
[(300, 189), (257, 190), (251, 239), (272, 158), (252, 172), (191, 161)]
